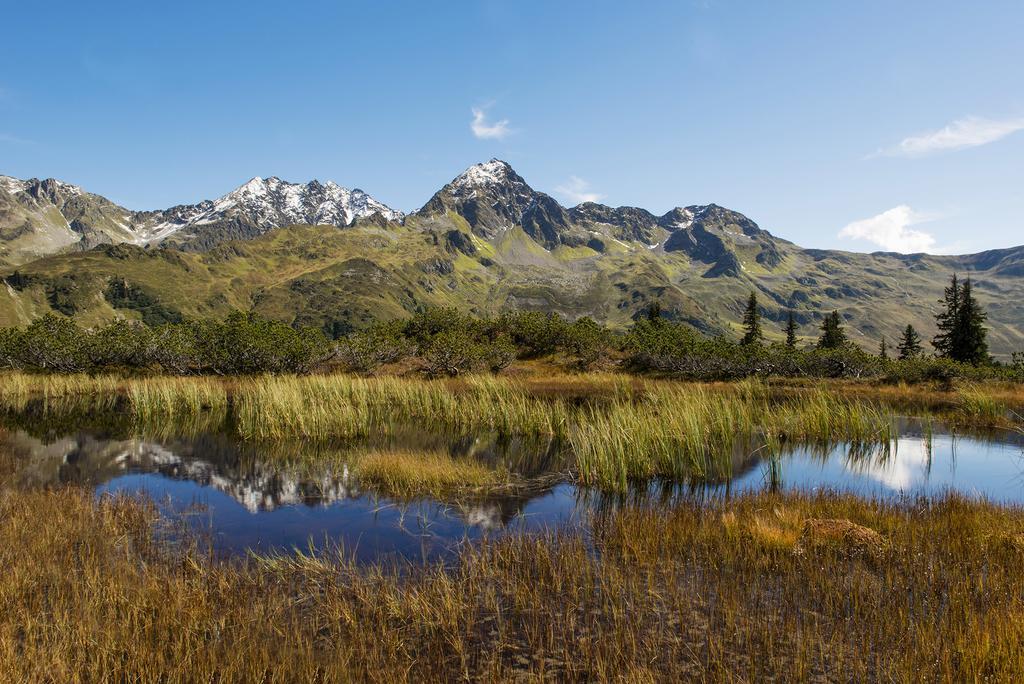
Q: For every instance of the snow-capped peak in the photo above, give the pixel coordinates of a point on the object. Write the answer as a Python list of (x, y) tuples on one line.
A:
[(255, 186), (491, 172), (267, 203), (272, 202)]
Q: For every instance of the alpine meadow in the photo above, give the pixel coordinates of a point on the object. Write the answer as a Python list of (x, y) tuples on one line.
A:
[(599, 426)]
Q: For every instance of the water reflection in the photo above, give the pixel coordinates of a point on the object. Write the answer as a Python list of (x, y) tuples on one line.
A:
[(245, 497)]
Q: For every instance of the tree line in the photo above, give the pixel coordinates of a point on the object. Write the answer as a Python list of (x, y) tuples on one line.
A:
[(447, 342), (962, 335)]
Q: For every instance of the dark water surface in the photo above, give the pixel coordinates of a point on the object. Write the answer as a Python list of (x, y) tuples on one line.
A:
[(234, 496)]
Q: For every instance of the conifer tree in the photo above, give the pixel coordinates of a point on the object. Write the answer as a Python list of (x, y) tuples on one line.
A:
[(971, 343), (791, 331), (883, 349), (832, 334), (653, 312), (752, 322), (946, 320), (910, 344), (962, 334)]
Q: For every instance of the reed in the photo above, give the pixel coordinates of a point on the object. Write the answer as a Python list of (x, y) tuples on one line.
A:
[(618, 428), (340, 406), (59, 392), (737, 590), (978, 407), (171, 397), (691, 431)]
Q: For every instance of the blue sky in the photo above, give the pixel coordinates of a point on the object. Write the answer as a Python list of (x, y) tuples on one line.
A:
[(856, 125)]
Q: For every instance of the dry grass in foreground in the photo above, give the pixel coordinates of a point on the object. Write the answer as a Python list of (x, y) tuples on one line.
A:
[(762, 588)]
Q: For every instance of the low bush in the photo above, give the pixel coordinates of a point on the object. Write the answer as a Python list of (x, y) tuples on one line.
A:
[(243, 343), (367, 350), (447, 342)]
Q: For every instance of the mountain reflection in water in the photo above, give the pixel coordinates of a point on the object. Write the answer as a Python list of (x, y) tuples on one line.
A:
[(240, 497)]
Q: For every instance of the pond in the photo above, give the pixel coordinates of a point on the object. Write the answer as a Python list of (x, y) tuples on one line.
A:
[(234, 496)]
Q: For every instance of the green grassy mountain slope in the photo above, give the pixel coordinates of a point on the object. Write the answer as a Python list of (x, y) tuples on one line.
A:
[(343, 278), (487, 242)]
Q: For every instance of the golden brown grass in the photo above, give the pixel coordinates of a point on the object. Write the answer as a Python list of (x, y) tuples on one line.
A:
[(619, 427), (681, 431), (406, 474), (713, 593)]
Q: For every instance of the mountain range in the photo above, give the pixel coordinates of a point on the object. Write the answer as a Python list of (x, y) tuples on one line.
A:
[(321, 254)]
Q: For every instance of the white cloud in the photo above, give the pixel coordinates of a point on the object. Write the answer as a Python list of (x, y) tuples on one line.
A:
[(577, 190), (891, 230), (485, 130), (971, 131)]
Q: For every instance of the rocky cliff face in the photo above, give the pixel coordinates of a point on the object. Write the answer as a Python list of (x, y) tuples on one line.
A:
[(493, 198)]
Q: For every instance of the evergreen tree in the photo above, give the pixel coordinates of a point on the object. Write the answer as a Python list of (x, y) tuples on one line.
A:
[(752, 322), (946, 320), (971, 345), (962, 334), (791, 331), (653, 312), (883, 349), (910, 344), (832, 334)]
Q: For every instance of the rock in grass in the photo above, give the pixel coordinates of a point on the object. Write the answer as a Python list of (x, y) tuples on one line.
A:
[(839, 534)]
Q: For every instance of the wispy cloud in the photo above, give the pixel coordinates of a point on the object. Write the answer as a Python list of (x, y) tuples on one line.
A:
[(577, 190), (891, 230), (486, 130), (971, 131), (13, 139)]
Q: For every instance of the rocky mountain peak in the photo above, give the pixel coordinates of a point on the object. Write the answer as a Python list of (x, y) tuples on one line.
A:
[(12, 185), (485, 174), (490, 195), (271, 202)]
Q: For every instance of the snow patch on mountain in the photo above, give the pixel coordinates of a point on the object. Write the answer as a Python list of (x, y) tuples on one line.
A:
[(12, 185), (270, 203), (493, 172)]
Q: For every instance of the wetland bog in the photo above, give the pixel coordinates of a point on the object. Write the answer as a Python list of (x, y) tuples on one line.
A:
[(499, 529)]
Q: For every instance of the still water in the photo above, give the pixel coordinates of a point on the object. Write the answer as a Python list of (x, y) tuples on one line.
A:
[(233, 496)]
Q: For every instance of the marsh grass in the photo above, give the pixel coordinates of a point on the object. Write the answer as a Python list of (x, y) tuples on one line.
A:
[(618, 428), (410, 474), (341, 406), (59, 392), (713, 592), (689, 431), (976, 406), (163, 398)]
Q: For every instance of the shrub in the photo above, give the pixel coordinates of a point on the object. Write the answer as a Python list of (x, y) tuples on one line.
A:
[(249, 343), (587, 341), (499, 353), (120, 344), (174, 349), (452, 353), (382, 343), (52, 344), (8, 337), (244, 343), (534, 333), (425, 325)]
